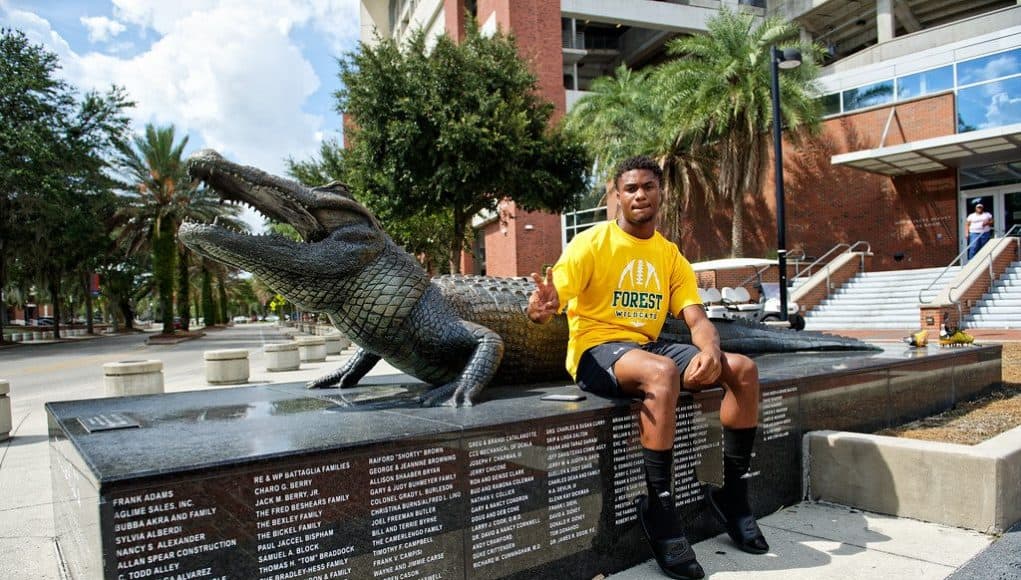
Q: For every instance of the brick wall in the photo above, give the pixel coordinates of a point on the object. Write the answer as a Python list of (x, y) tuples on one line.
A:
[(537, 240), (530, 242), (914, 216), (536, 26), (453, 18)]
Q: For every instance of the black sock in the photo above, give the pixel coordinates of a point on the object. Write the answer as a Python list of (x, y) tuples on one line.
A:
[(658, 476), (737, 459)]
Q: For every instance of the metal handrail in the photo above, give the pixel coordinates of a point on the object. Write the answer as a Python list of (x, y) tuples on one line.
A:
[(758, 273), (757, 276), (957, 261), (1014, 231), (846, 247)]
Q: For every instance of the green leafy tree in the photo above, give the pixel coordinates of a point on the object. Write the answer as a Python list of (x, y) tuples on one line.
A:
[(203, 205), (208, 305), (123, 281), (617, 119), (427, 236), (447, 132), (33, 105), (717, 96), (622, 117), (318, 170), (54, 189)]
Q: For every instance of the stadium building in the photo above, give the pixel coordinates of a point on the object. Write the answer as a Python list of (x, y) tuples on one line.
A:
[(923, 118)]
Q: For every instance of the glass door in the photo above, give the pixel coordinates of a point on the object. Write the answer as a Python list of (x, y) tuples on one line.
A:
[(1011, 213)]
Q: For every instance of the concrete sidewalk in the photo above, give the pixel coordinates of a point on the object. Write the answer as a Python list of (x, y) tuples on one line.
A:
[(809, 540), (820, 541)]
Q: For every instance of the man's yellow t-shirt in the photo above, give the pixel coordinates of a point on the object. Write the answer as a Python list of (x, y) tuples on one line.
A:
[(616, 287)]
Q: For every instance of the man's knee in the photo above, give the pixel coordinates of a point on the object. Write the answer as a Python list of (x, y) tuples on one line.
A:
[(662, 379), (743, 374)]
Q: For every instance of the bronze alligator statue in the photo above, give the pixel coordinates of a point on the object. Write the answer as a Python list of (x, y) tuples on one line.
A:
[(457, 333)]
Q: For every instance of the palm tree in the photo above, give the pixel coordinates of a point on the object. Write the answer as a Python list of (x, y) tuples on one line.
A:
[(616, 119), (156, 169), (623, 116), (159, 199), (203, 205), (716, 95)]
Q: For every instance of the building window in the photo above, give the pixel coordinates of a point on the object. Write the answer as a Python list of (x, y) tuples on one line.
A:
[(988, 105), (868, 96), (831, 104), (581, 220), (987, 68), (926, 82)]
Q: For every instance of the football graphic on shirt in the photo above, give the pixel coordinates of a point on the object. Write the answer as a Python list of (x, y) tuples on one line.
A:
[(638, 296)]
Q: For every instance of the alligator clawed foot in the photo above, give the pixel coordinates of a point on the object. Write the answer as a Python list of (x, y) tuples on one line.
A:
[(448, 395), (326, 382)]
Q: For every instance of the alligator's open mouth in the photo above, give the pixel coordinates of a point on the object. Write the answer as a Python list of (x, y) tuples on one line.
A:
[(277, 199)]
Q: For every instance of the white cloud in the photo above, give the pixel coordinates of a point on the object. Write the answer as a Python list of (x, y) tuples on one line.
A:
[(230, 72), (101, 28)]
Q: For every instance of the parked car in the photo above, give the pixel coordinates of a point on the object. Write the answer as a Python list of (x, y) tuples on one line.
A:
[(44, 321)]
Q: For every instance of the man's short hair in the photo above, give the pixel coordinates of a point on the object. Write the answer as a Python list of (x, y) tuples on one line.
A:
[(638, 162)]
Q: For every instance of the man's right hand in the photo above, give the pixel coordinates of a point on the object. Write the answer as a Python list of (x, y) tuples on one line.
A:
[(544, 301)]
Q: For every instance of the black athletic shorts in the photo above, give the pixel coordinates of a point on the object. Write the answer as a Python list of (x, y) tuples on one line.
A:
[(595, 369)]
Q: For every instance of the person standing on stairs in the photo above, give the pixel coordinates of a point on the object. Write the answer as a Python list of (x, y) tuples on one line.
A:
[(979, 224)]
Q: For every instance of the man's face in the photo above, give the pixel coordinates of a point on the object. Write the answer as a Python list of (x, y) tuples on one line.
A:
[(639, 195), (979, 208)]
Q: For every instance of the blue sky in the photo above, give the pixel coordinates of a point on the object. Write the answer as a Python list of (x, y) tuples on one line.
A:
[(253, 79)]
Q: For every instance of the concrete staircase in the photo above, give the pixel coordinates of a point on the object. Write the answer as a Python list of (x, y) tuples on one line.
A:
[(878, 300), (1001, 306)]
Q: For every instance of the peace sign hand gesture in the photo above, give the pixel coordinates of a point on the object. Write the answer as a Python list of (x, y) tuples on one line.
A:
[(544, 301)]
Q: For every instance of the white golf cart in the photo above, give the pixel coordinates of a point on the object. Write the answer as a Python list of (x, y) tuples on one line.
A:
[(735, 302)]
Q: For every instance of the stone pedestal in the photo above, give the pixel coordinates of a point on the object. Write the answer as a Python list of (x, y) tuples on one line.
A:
[(311, 348), (282, 357), (226, 367), (5, 411), (278, 481), (133, 377)]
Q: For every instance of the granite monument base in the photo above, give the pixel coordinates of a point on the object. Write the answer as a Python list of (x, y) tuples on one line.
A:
[(278, 482)]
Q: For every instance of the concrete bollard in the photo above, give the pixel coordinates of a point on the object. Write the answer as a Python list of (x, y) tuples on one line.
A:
[(226, 367), (133, 377), (5, 411), (333, 344), (16, 337), (311, 348), (282, 357)]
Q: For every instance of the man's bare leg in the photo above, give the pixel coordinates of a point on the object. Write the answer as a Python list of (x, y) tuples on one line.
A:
[(657, 380)]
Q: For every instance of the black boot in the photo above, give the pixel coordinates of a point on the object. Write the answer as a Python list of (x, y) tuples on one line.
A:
[(672, 550), (730, 504)]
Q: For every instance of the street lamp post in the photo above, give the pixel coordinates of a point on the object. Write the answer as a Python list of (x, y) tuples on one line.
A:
[(787, 58)]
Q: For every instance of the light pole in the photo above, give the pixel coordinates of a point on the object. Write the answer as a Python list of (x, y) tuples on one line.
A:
[(787, 58)]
